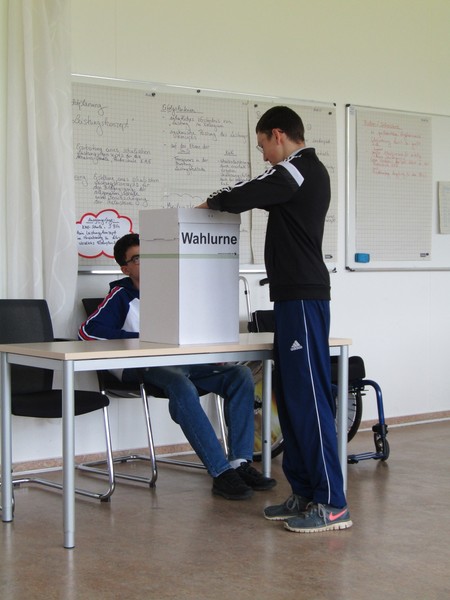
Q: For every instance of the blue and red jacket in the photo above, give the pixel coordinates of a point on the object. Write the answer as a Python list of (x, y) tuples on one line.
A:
[(117, 316)]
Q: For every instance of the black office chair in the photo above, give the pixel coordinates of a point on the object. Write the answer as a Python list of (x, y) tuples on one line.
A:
[(32, 394), (110, 385)]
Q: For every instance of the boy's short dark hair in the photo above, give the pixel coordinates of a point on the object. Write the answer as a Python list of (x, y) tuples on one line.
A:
[(122, 245), (284, 118)]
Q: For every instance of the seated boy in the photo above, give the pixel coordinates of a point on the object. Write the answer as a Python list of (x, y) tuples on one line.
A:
[(118, 317)]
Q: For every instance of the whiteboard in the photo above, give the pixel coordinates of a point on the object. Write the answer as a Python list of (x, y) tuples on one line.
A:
[(141, 145), (396, 162)]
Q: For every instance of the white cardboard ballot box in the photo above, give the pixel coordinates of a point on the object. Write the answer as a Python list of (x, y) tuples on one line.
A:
[(189, 276)]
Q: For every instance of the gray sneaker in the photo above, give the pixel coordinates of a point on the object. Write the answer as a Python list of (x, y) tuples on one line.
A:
[(320, 517), (293, 507)]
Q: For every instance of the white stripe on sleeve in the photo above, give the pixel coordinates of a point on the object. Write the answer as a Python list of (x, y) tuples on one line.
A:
[(293, 171)]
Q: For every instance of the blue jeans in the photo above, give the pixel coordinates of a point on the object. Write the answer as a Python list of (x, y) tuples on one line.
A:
[(234, 383)]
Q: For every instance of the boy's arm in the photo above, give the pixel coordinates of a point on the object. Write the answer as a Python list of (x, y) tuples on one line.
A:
[(107, 321)]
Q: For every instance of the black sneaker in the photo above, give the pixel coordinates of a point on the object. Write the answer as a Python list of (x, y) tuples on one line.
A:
[(254, 478), (229, 485)]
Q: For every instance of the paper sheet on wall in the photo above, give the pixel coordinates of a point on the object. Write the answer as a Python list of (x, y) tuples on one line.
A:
[(135, 149), (147, 146), (444, 206), (394, 186)]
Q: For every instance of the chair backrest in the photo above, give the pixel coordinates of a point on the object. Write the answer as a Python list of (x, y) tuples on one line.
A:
[(262, 321), (91, 304), (107, 380), (356, 369), (26, 321)]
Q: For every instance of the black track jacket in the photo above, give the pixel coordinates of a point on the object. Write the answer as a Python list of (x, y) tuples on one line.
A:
[(296, 194)]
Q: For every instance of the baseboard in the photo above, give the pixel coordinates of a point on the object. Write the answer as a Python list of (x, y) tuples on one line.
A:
[(409, 419), (53, 464), (179, 449)]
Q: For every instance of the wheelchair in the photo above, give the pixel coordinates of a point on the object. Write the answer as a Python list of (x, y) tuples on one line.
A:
[(263, 321), (357, 385)]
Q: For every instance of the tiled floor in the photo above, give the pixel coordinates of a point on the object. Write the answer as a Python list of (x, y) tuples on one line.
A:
[(180, 542)]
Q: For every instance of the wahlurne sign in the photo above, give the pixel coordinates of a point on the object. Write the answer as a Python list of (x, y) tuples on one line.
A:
[(189, 237)]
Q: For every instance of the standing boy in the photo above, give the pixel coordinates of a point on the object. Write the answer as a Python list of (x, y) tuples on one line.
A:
[(295, 191)]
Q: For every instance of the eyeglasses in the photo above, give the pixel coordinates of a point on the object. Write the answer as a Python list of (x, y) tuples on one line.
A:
[(260, 148), (134, 259)]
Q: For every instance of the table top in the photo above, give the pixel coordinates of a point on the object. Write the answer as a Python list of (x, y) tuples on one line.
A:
[(104, 349)]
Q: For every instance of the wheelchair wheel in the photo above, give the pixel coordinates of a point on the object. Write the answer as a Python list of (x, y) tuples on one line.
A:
[(354, 412), (275, 429)]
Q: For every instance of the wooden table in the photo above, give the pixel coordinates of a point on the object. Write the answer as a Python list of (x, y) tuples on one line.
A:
[(77, 356)]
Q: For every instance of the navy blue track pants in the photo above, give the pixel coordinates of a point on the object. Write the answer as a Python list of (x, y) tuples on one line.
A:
[(305, 403)]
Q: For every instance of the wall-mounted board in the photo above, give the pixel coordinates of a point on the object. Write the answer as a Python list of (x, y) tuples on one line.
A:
[(141, 146), (396, 163)]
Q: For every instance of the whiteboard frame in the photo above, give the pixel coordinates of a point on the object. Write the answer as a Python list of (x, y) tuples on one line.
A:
[(155, 87), (435, 264)]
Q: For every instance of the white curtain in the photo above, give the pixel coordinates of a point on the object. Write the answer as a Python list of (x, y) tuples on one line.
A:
[(41, 250)]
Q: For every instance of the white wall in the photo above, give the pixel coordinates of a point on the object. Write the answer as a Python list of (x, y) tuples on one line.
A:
[(3, 69), (384, 53)]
